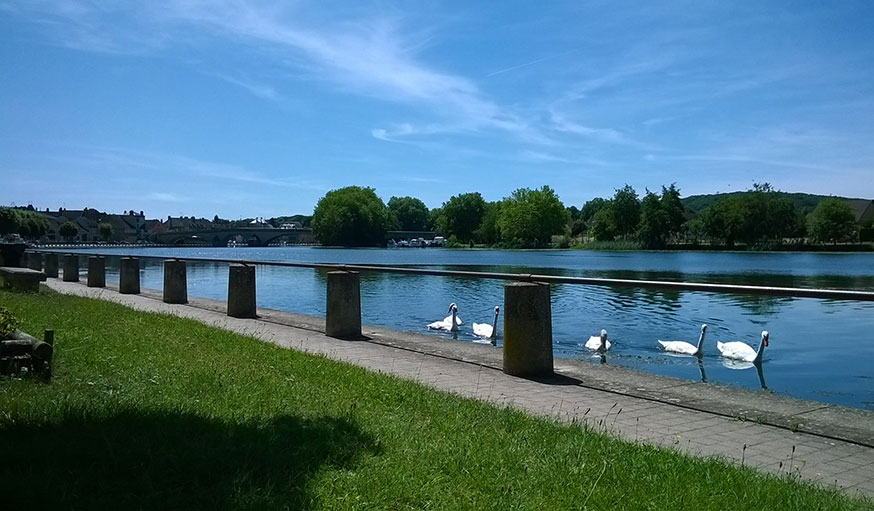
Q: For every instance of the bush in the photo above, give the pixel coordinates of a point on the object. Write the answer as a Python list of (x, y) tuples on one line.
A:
[(8, 324)]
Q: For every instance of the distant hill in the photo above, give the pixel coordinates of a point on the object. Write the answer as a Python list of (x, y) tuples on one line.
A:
[(803, 201)]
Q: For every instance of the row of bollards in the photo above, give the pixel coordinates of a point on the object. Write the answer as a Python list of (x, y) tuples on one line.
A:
[(527, 347)]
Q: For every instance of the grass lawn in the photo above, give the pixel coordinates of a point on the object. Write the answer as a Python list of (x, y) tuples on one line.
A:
[(154, 412)]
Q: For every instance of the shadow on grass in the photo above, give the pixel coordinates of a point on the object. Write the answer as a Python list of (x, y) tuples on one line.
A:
[(134, 460)]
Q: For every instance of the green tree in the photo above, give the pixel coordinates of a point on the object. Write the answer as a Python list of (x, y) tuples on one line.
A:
[(68, 230), (350, 217), (10, 221), (529, 218), (832, 220), (760, 215), (673, 208), (435, 217), (603, 224), (32, 224), (592, 207), (626, 210), (655, 222), (461, 215), (105, 230), (488, 232), (411, 213), (583, 221), (723, 220)]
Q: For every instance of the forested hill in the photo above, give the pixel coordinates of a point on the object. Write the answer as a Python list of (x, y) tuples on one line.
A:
[(803, 201)]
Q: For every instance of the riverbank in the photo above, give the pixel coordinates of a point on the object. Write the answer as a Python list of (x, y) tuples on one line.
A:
[(222, 418)]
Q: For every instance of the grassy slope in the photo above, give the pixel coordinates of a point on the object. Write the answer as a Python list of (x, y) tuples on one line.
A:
[(154, 412)]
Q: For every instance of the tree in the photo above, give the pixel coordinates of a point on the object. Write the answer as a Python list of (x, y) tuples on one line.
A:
[(529, 218), (626, 210), (105, 230), (673, 207), (68, 230), (488, 232), (9, 221), (462, 214), (592, 207), (832, 220), (583, 221), (655, 222), (411, 213), (435, 220), (351, 217), (31, 224), (758, 216), (723, 220), (603, 224)]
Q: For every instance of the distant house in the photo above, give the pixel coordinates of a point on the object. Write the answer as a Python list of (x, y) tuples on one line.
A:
[(187, 223), (863, 209)]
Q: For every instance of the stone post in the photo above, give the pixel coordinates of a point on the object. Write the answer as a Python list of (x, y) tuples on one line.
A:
[(34, 261), (129, 276), (51, 261), (241, 291), (71, 268), (527, 329), (96, 271), (343, 312), (175, 282)]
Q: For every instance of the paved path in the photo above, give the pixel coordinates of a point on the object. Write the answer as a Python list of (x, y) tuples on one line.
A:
[(827, 461)]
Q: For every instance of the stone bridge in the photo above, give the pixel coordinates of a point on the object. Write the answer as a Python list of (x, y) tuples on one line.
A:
[(253, 236)]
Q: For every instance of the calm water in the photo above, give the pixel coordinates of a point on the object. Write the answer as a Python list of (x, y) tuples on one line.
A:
[(819, 349)]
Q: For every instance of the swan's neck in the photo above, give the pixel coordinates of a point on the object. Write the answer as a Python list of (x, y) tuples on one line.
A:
[(494, 327), (760, 352), (698, 349)]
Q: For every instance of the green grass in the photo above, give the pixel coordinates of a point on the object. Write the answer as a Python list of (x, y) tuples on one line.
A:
[(154, 412), (610, 245)]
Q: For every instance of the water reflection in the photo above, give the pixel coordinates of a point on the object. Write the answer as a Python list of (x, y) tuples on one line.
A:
[(738, 365)]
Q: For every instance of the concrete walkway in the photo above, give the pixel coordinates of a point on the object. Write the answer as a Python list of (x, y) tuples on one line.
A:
[(693, 418)]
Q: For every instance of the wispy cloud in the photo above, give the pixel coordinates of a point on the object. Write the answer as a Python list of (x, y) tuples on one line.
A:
[(259, 90), (531, 63), (366, 55), (166, 197)]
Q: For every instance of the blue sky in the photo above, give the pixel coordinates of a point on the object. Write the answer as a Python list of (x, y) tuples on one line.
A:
[(248, 108)]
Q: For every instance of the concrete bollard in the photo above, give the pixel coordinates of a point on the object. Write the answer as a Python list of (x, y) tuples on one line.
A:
[(527, 329), (96, 271), (71, 268), (241, 291), (51, 263), (129, 276), (343, 312), (175, 282), (34, 261)]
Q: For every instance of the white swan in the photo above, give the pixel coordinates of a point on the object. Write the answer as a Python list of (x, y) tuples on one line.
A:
[(486, 331), (450, 323), (742, 351), (598, 343), (685, 348)]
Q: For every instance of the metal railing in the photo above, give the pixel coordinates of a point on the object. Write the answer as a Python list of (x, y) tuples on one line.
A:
[(831, 294)]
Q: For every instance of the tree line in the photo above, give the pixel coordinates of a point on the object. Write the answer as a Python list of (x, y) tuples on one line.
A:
[(533, 218)]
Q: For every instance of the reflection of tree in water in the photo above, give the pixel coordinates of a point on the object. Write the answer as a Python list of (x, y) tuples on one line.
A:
[(760, 305)]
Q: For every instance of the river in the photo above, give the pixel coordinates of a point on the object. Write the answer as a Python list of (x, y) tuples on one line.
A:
[(819, 349)]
